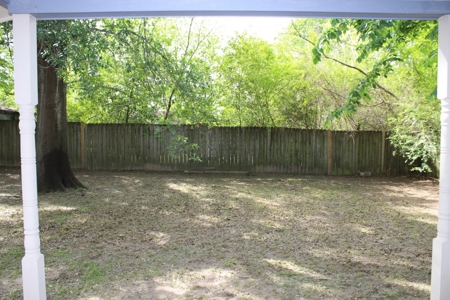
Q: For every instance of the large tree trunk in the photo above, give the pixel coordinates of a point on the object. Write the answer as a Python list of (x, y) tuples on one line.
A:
[(53, 166)]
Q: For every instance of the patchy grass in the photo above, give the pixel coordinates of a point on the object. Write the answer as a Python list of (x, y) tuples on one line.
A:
[(136, 235)]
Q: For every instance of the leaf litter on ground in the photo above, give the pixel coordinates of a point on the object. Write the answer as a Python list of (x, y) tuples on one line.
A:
[(142, 235)]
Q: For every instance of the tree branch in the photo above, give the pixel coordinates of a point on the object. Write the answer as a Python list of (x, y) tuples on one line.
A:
[(346, 65)]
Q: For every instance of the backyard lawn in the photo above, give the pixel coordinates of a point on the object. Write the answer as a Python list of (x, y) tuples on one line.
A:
[(138, 235)]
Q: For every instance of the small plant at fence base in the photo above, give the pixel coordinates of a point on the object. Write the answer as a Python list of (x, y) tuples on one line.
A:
[(179, 145)]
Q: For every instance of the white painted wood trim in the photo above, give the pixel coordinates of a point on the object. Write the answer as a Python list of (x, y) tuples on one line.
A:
[(440, 273), (4, 15), (25, 86), (357, 9)]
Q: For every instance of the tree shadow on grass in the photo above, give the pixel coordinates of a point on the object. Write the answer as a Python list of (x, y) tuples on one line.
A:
[(136, 235)]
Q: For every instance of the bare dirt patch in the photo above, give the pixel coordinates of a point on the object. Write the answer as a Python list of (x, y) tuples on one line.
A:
[(137, 235)]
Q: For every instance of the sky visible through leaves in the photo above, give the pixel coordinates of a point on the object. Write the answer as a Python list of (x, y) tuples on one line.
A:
[(267, 28)]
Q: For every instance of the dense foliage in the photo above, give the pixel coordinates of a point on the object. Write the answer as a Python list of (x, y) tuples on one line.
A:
[(338, 74)]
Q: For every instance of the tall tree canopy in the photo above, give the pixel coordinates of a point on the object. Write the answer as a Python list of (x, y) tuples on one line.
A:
[(406, 53), (339, 74), (154, 70)]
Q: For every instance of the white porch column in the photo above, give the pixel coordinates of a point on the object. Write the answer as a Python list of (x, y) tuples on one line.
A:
[(25, 87), (440, 272)]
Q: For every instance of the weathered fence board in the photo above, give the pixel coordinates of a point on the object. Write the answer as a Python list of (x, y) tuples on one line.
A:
[(9, 143), (252, 149)]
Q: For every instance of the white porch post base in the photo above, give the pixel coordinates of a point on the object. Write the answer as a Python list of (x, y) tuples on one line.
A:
[(25, 86), (33, 276), (440, 273)]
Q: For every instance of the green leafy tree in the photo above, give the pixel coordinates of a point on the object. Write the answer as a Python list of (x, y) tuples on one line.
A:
[(6, 66), (331, 79), (154, 70), (384, 40), (252, 75), (61, 44), (396, 62)]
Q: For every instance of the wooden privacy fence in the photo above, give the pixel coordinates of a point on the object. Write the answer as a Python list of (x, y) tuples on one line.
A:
[(251, 149)]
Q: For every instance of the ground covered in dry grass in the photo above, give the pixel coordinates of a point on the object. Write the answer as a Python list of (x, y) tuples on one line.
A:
[(136, 235)]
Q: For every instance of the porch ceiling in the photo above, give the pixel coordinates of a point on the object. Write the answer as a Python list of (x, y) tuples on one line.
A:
[(4, 15), (382, 9)]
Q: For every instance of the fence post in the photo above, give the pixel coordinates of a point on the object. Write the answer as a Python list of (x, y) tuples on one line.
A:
[(330, 152), (383, 150), (82, 157)]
